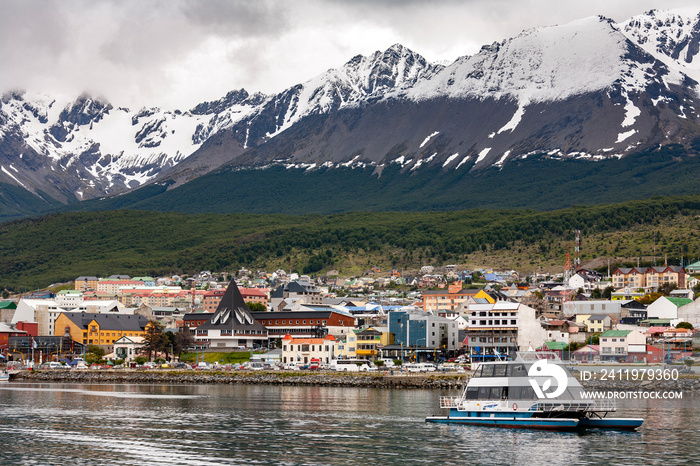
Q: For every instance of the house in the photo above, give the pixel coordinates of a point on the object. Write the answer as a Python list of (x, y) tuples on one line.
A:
[(650, 355), (587, 353), (306, 293), (303, 350), (231, 325), (632, 312), (597, 323), (666, 307), (616, 345), (556, 347), (655, 333), (128, 348)]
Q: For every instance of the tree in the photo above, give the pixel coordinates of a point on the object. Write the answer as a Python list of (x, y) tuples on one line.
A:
[(154, 339), (607, 292), (182, 340), (140, 360), (94, 354), (596, 294), (687, 325), (256, 307)]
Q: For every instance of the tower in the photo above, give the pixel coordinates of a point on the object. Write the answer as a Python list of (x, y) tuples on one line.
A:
[(567, 266)]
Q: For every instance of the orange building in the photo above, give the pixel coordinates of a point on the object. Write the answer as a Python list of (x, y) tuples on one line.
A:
[(447, 300)]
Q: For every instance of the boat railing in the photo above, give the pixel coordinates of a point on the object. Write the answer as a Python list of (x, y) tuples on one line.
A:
[(587, 405), (450, 401)]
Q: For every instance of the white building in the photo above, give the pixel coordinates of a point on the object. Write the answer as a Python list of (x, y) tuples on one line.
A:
[(45, 311), (303, 350), (503, 326), (128, 348), (666, 308)]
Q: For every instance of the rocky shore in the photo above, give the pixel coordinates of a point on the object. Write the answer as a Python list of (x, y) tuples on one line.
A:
[(686, 383), (332, 379)]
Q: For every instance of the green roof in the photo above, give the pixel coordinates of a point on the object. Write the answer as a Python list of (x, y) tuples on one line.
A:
[(8, 305), (680, 302), (555, 345), (616, 333)]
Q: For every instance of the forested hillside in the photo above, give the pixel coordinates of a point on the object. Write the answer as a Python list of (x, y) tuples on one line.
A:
[(57, 248)]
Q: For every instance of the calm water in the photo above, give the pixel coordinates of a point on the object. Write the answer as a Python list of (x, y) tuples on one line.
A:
[(240, 424)]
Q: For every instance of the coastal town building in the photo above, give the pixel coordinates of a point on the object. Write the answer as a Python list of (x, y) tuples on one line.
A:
[(448, 299), (100, 329), (303, 292), (617, 345), (128, 348), (45, 311), (666, 307), (502, 328), (307, 323), (303, 350), (231, 325), (648, 277), (413, 327)]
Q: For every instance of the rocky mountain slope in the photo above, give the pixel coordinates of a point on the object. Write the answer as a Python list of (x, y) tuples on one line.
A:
[(591, 89)]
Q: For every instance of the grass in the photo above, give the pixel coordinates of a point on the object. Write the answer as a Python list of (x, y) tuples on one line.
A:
[(235, 357)]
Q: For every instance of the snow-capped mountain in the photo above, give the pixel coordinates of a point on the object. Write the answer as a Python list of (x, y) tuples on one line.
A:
[(88, 148), (589, 89)]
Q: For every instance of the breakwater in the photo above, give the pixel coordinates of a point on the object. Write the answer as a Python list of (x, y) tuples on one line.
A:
[(333, 379), (688, 383)]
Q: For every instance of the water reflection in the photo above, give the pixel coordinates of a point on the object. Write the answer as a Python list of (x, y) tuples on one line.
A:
[(249, 424)]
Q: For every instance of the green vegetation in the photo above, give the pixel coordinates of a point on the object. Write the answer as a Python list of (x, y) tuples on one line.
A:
[(60, 247), (235, 357)]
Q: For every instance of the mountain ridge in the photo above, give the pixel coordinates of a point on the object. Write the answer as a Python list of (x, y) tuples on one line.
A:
[(591, 89)]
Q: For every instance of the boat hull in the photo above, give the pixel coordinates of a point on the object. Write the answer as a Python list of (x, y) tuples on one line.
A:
[(611, 423), (509, 422)]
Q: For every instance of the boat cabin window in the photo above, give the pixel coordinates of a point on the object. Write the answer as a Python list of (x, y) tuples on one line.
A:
[(522, 393), (472, 393), (490, 393), (487, 370), (500, 370), (518, 370)]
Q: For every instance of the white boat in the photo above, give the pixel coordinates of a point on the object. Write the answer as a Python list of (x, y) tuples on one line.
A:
[(4, 376), (534, 391)]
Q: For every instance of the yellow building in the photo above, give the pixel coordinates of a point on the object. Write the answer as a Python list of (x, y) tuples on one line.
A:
[(86, 283), (100, 329), (368, 342)]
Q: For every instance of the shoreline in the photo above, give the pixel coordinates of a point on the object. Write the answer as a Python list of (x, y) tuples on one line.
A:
[(331, 379)]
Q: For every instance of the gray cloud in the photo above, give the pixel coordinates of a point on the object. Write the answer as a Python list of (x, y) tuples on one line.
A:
[(179, 52)]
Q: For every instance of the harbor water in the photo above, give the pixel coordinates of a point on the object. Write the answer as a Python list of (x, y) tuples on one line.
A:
[(86, 424)]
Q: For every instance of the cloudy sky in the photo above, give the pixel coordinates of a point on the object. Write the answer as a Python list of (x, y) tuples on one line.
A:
[(176, 53)]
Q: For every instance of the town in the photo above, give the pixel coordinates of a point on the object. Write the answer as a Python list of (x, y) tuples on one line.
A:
[(287, 320)]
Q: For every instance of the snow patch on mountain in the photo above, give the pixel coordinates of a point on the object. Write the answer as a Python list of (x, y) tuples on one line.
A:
[(430, 136)]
